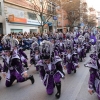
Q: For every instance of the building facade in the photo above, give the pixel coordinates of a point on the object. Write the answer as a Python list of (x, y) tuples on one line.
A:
[(25, 16), (2, 18), (62, 21), (19, 17), (98, 18)]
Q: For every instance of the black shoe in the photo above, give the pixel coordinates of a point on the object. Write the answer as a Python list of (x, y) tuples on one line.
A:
[(27, 68), (0, 78), (58, 86), (31, 78), (75, 71), (57, 95)]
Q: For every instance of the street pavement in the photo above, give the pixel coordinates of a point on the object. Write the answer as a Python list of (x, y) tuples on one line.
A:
[(74, 87)]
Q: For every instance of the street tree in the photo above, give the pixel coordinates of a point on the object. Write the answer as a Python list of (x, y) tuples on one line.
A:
[(92, 21), (92, 17), (44, 10), (75, 11)]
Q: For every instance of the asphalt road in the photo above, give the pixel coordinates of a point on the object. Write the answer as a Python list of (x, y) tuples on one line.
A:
[(74, 87)]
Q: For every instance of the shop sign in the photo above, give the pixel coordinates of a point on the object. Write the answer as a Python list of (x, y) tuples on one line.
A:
[(55, 18), (12, 18), (35, 22)]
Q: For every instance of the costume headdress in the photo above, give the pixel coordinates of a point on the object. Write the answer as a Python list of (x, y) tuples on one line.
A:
[(35, 46), (34, 39), (46, 49)]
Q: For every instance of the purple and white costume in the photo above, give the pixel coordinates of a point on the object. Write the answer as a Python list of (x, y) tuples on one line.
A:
[(94, 79), (13, 67), (71, 62), (52, 72)]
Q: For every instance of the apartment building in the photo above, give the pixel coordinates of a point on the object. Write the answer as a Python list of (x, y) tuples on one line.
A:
[(2, 18), (20, 16), (25, 16), (62, 21), (98, 19)]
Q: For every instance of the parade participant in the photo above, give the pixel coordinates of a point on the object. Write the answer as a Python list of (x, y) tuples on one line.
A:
[(86, 35), (87, 45), (77, 33), (94, 65), (34, 39), (56, 50), (70, 61), (39, 38), (60, 44), (55, 45), (81, 47), (34, 54), (45, 36), (69, 43), (0, 71), (93, 38), (26, 43), (14, 68), (51, 70), (79, 51), (23, 58), (18, 50), (6, 41), (87, 42), (68, 35)]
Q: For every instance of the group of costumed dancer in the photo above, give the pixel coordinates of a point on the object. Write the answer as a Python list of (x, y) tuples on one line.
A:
[(50, 58)]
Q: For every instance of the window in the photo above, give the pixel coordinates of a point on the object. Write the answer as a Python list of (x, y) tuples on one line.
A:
[(16, 30), (53, 10), (98, 13), (59, 23), (44, 19), (33, 30), (0, 9), (1, 28), (31, 16), (49, 9)]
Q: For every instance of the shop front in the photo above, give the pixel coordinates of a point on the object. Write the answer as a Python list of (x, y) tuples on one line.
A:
[(22, 25)]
